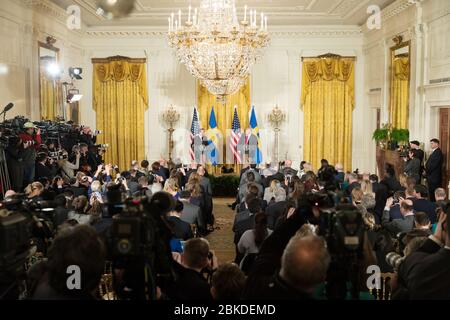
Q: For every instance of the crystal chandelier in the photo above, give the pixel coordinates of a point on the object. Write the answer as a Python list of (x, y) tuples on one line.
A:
[(216, 48)]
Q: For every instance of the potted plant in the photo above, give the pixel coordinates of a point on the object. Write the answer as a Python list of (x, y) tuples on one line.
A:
[(381, 136), (399, 136)]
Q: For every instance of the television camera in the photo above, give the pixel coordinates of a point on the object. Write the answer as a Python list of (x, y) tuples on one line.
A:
[(139, 244), (343, 228), (26, 231)]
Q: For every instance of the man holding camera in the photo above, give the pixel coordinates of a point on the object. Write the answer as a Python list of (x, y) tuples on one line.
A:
[(31, 139)]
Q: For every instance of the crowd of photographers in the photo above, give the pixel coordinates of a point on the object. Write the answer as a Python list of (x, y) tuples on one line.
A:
[(299, 234)]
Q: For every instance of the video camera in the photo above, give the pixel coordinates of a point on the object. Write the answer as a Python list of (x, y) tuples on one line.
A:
[(139, 243), (343, 228), (26, 229)]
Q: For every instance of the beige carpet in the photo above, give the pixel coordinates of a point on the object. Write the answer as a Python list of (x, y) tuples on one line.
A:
[(221, 240)]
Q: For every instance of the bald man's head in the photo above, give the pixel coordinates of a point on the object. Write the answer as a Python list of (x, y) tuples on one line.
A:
[(288, 163), (305, 262)]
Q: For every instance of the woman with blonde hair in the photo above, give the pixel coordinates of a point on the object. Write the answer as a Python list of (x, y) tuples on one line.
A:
[(361, 204), (80, 206), (275, 192), (197, 194), (171, 186), (403, 179), (34, 191)]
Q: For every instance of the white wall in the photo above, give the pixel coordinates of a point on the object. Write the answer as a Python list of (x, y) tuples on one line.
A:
[(21, 28), (426, 23)]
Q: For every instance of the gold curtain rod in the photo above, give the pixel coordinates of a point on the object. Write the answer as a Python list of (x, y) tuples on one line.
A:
[(119, 58), (328, 57)]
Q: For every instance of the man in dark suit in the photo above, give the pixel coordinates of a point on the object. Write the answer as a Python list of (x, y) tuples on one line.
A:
[(397, 226), (205, 183), (42, 169), (421, 203), (247, 146), (433, 168), (274, 211), (190, 283), (425, 274), (181, 229), (192, 214)]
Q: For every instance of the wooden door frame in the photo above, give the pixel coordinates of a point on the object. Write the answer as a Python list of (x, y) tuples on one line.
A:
[(446, 169)]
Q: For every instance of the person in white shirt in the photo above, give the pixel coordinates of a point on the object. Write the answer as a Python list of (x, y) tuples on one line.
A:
[(251, 240), (275, 191)]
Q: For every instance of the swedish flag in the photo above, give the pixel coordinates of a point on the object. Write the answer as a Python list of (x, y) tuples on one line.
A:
[(213, 140), (255, 131)]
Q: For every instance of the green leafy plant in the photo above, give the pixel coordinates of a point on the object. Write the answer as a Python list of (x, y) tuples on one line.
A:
[(400, 135), (381, 135), (224, 186)]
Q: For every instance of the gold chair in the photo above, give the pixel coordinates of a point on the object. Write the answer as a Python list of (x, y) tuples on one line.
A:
[(194, 230), (106, 288), (384, 293)]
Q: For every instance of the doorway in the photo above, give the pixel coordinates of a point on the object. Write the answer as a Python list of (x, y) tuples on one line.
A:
[(444, 125)]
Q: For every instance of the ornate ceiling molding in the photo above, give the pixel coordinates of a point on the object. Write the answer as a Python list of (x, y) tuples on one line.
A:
[(46, 7), (355, 32), (396, 8)]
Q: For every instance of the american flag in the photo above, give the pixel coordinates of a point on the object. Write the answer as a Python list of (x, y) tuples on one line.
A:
[(235, 136), (195, 130)]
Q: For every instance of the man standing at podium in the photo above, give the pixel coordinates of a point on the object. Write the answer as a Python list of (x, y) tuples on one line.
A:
[(247, 146), (433, 168), (200, 143)]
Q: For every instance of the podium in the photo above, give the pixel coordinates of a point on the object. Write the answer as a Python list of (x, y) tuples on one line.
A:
[(393, 158)]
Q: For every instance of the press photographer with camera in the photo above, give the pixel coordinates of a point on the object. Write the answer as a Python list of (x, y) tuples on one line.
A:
[(68, 168), (45, 167), (14, 159), (31, 140)]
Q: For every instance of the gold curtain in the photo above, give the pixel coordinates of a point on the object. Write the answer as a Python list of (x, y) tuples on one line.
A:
[(400, 93), (50, 97), (224, 114), (120, 101), (328, 101)]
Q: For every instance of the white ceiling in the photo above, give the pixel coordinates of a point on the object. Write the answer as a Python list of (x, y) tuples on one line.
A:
[(280, 12)]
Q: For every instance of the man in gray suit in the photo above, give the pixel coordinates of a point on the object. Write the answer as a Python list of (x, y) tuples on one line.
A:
[(192, 214), (247, 146), (396, 226), (243, 188), (200, 142), (413, 166)]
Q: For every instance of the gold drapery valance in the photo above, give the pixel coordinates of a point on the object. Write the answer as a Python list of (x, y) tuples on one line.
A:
[(327, 69), (120, 100), (399, 112), (224, 114), (119, 69), (328, 100)]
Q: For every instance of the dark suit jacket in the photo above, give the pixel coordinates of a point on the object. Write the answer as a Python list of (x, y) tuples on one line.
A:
[(189, 285), (243, 221), (181, 229), (433, 167), (426, 206), (43, 171), (425, 274), (273, 212)]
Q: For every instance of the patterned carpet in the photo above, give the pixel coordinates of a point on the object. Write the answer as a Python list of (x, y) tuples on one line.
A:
[(221, 240)]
